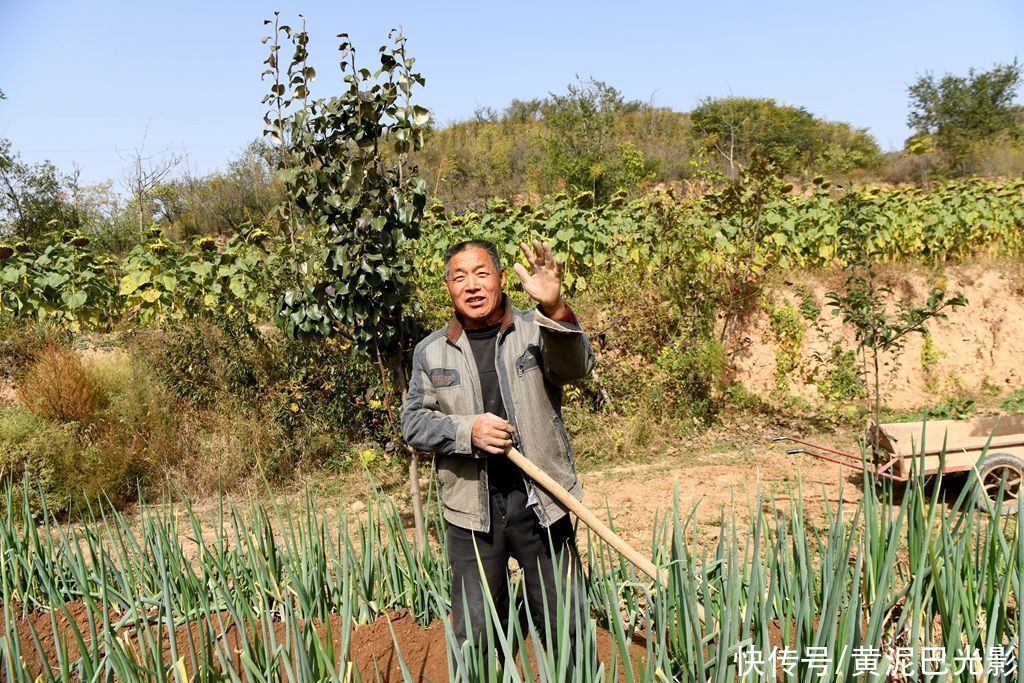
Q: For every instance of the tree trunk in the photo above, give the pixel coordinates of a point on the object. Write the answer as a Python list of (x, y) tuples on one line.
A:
[(878, 403), (417, 499), (400, 384), (140, 195), (602, 393)]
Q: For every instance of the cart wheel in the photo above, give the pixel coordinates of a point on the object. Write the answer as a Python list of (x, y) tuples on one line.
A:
[(1000, 469)]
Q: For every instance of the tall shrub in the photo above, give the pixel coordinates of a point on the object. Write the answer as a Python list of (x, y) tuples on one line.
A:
[(344, 164)]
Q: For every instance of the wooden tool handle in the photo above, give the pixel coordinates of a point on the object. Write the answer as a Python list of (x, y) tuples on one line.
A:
[(588, 517)]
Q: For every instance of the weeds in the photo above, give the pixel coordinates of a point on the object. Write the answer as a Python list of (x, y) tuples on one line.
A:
[(930, 356), (952, 408), (843, 379), (1014, 402), (788, 328)]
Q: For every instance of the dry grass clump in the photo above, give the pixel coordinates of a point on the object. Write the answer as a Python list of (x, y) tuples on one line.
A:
[(144, 427), (195, 408), (94, 428), (235, 447), (58, 386)]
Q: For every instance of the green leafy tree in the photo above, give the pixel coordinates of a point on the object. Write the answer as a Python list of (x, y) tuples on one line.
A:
[(740, 209), (961, 111), (736, 129), (347, 178), (32, 196), (245, 193), (841, 148), (864, 303), (739, 128), (580, 144), (523, 111)]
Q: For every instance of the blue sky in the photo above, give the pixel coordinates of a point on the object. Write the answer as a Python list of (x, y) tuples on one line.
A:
[(87, 82)]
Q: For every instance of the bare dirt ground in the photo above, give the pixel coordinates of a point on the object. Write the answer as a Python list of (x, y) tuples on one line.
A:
[(42, 635), (7, 393), (722, 472), (711, 484)]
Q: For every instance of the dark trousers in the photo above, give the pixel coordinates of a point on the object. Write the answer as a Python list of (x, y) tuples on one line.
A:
[(515, 532)]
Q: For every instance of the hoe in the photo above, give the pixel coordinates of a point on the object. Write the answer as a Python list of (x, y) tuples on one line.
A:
[(581, 511)]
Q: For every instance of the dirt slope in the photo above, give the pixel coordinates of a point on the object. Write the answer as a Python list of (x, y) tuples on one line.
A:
[(979, 348)]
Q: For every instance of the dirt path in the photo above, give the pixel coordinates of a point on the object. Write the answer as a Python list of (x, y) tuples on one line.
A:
[(717, 476), (725, 482)]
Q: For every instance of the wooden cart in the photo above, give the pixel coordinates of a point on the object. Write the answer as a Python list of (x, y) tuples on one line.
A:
[(993, 447)]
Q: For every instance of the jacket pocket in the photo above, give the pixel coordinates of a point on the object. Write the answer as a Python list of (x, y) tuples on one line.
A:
[(445, 476), (529, 360), (459, 479), (563, 439), (443, 378), (450, 391)]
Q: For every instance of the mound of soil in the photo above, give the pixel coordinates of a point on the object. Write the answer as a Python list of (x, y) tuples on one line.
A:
[(372, 649), (422, 649)]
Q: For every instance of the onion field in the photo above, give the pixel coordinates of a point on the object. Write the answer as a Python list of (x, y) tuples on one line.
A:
[(273, 593)]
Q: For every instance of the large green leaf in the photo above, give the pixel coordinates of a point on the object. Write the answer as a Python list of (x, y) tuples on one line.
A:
[(132, 281), (76, 299), (150, 295)]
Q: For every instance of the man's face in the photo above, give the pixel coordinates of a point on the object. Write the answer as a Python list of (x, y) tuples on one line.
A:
[(475, 287)]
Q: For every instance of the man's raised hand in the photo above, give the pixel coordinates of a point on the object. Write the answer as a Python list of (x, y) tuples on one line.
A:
[(492, 434), (544, 281)]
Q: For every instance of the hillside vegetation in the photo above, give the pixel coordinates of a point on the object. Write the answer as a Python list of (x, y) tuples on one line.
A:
[(124, 368)]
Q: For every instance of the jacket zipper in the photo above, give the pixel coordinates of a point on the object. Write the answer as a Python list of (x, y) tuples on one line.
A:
[(505, 399), (469, 363)]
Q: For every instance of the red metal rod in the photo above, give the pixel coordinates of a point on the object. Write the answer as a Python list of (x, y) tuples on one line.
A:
[(818, 446), (846, 459), (838, 461), (859, 466)]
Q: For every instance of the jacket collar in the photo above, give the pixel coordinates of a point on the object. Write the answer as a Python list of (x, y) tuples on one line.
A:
[(454, 328)]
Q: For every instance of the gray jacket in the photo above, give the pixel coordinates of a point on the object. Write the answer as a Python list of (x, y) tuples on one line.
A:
[(535, 357)]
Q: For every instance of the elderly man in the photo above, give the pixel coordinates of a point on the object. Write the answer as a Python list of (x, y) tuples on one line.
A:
[(490, 379)]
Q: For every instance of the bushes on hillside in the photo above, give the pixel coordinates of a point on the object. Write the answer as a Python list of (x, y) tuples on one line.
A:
[(202, 360), (310, 396)]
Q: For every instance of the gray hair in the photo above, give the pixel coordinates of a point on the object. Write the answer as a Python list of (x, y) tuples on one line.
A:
[(473, 244)]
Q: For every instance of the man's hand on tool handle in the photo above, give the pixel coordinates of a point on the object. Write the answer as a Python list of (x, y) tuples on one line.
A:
[(492, 434)]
